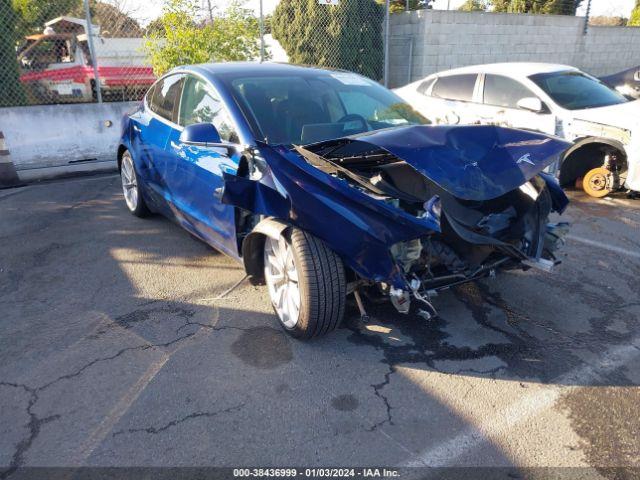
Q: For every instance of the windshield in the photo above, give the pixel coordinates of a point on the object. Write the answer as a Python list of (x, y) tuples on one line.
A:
[(576, 90), (312, 107)]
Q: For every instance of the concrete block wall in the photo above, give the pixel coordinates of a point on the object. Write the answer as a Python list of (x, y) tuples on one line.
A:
[(450, 39), (47, 136)]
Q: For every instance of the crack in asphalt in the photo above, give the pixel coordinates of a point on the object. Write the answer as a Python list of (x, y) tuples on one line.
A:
[(377, 389), (525, 355), (111, 357), (173, 423), (35, 423), (213, 328)]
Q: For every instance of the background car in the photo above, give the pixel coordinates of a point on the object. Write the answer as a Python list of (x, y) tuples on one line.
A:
[(324, 182), (555, 99), (626, 82)]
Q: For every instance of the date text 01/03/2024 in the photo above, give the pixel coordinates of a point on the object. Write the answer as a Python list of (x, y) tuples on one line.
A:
[(316, 472)]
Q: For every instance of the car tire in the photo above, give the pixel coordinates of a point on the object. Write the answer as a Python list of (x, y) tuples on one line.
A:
[(313, 276), (131, 187)]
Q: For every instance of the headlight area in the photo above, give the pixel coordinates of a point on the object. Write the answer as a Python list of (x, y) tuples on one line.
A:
[(477, 239)]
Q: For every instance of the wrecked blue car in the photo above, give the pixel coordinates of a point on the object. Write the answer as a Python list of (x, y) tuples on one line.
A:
[(323, 183)]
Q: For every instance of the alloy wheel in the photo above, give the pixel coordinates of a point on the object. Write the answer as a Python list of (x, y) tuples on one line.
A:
[(129, 182), (282, 280)]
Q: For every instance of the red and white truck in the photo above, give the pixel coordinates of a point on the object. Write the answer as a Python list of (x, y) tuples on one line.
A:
[(56, 66)]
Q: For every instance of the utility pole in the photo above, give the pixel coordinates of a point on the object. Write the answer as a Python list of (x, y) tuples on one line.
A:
[(386, 45), (586, 17), (261, 34), (92, 51)]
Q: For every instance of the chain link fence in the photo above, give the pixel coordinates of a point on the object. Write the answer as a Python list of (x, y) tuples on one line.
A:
[(54, 54), (348, 34), (73, 51), (78, 51)]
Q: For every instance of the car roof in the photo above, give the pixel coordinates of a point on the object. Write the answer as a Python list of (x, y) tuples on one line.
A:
[(511, 69), (266, 68)]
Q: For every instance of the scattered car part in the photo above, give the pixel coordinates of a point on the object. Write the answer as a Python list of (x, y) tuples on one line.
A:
[(598, 182)]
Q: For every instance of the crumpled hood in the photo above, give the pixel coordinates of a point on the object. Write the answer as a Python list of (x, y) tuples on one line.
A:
[(470, 162)]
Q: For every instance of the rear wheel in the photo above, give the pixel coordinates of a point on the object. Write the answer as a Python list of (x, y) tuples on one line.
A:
[(306, 283), (131, 188)]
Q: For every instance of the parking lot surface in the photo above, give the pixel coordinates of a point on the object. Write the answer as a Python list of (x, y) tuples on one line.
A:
[(120, 346)]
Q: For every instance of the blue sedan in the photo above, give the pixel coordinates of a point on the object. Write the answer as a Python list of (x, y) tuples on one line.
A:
[(324, 183)]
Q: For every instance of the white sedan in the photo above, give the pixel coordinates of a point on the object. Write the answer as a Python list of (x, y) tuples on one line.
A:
[(554, 99)]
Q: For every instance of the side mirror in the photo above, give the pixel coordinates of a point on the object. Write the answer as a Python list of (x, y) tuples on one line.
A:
[(636, 76), (532, 104), (201, 134)]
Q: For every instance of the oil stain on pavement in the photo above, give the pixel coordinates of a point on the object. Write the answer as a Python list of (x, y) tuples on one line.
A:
[(263, 347)]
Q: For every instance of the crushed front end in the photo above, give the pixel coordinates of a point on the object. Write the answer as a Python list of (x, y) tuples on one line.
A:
[(415, 210)]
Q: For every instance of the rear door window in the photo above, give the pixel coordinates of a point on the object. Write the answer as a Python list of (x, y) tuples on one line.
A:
[(455, 87), (166, 95), (503, 91), (424, 86)]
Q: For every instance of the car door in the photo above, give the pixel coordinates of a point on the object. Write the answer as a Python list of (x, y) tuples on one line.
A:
[(196, 183), (500, 97), (151, 127), (453, 95)]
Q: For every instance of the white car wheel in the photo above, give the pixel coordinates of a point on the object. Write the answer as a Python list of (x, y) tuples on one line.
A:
[(306, 283)]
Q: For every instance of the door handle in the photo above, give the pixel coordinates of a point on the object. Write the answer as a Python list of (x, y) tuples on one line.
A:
[(218, 192), (137, 128)]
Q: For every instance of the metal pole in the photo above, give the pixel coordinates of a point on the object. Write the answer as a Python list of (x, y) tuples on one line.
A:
[(92, 51), (406, 6), (261, 34), (410, 59), (586, 17), (386, 44)]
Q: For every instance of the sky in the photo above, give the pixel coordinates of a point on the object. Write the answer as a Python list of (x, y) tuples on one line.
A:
[(146, 10)]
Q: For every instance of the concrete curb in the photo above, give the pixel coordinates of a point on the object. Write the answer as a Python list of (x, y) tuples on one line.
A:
[(33, 175), (8, 175)]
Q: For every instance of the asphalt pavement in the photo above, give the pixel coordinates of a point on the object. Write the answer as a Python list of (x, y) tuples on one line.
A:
[(118, 348)]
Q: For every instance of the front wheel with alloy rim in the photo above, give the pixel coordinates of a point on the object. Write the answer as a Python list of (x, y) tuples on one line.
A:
[(131, 187), (306, 283)]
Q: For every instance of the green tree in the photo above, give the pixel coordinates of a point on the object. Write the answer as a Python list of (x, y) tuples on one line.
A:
[(474, 6), (348, 35), (555, 7), (11, 92), (154, 27), (267, 23), (634, 19), (179, 38), (113, 21), (401, 5), (32, 14)]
